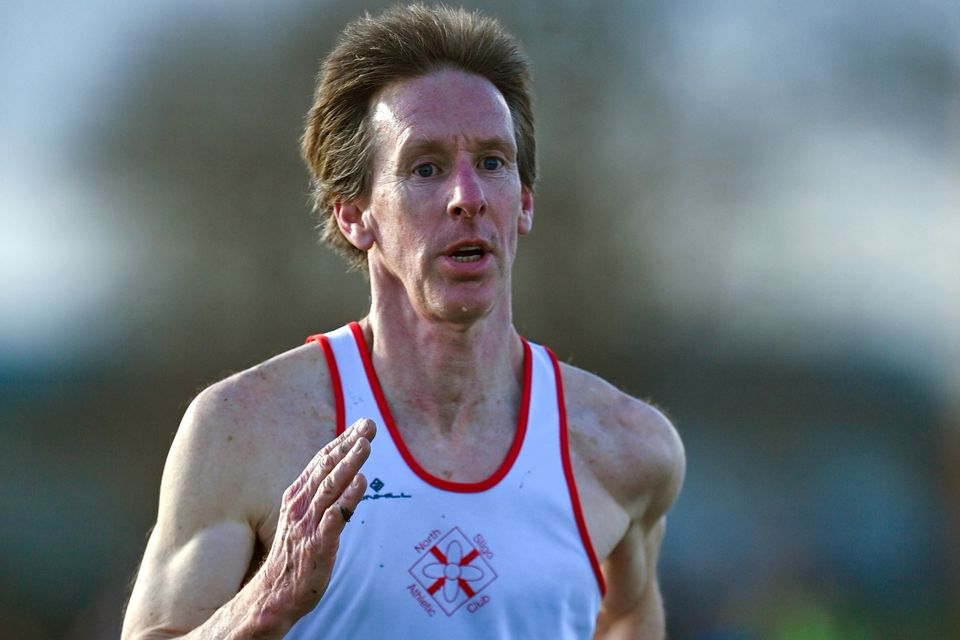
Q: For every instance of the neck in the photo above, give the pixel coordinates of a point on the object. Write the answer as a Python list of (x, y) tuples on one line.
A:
[(444, 374)]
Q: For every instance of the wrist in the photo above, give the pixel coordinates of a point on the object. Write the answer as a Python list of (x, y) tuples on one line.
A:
[(268, 614)]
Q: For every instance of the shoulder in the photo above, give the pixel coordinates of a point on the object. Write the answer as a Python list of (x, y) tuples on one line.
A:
[(288, 384), (630, 446), (251, 404), (238, 434)]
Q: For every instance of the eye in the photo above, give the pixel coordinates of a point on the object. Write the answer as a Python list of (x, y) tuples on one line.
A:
[(491, 163), (425, 170)]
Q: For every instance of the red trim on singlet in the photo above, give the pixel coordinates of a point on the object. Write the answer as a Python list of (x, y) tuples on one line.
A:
[(426, 476), (334, 379), (571, 483)]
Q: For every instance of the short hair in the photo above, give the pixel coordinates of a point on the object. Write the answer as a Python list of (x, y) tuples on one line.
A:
[(402, 43)]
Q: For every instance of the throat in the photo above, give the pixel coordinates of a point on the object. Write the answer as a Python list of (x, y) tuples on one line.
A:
[(454, 395), (462, 455)]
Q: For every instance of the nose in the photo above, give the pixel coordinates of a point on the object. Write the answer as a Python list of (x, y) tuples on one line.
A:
[(466, 197)]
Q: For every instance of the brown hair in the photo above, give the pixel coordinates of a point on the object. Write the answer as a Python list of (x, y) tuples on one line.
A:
[(402, 43)]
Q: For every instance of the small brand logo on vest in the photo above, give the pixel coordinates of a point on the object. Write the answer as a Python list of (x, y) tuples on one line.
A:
[(377, 484), (452, 571)]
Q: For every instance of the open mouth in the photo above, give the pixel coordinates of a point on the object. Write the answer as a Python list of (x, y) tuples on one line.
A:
[(469, 253)]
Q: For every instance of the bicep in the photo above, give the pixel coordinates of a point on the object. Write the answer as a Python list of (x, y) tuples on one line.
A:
[(179, 586), (202, 545)]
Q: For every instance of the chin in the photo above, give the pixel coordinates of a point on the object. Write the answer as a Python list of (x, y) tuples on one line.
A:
[(462, 310), (464, 303), (467, 312)]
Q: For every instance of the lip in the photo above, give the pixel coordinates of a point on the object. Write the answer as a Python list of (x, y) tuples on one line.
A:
[(471, 269), (470, 242)]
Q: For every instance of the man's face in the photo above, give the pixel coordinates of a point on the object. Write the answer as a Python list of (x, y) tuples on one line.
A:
[(446, 204)]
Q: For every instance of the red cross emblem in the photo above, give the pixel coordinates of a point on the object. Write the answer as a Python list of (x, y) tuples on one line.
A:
[(452, 571)]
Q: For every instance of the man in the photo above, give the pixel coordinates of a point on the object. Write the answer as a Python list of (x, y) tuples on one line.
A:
[(505, 495)]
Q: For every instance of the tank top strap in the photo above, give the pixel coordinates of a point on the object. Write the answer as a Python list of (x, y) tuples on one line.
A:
[(355, 398)]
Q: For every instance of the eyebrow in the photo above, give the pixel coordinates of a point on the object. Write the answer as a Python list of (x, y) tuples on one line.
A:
[(433, 145)]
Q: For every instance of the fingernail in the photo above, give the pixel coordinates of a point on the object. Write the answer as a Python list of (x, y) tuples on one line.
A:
[(357, 446), (356, 481)]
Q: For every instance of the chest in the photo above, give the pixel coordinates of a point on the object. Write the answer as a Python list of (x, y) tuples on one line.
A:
[(458, 560), (477, 461), (466, 455)]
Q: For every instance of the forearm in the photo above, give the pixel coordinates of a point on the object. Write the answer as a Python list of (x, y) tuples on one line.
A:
[(632, 629), (292, 579), (646, 621), (254, 612)]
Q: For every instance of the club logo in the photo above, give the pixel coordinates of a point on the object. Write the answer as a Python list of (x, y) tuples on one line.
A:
[(452, 571)]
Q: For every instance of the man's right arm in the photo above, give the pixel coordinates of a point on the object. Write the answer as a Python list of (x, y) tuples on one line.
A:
[(190, 582)]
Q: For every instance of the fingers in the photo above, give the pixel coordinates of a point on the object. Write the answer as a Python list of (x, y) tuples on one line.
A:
[(343, 487), (314, 510), (364, 427), (327, 457), (336, 515)]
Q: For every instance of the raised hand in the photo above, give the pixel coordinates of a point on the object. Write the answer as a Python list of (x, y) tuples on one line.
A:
[(314, 511)]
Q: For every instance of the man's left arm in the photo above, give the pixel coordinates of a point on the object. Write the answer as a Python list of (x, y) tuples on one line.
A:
[(632, 608)]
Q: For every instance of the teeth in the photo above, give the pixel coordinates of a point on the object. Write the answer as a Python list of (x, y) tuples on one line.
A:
[(468, 253)]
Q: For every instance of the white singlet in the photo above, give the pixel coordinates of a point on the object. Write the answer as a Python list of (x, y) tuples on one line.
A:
[(423, 557)]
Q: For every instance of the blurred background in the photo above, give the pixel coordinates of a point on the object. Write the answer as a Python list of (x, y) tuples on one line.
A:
[(749, 214)]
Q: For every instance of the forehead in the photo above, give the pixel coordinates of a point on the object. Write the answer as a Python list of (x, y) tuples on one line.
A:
[(445, 105)]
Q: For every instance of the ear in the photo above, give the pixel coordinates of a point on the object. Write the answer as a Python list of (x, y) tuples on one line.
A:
[(350, 219), (525, 222)]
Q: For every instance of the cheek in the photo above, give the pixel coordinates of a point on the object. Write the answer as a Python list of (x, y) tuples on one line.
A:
[(511, 201), (508, 188), (401, 234)]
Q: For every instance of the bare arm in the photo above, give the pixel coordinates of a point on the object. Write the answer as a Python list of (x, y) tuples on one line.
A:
[(189, 584), (634, 454), (633, 608)]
